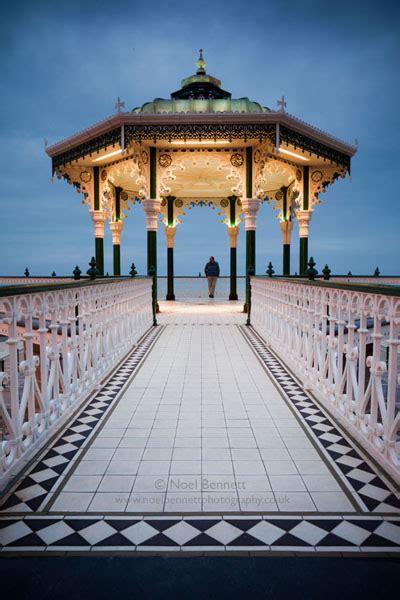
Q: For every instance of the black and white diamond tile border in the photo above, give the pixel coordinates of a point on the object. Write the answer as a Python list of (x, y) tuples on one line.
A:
[(293, 534), (364, 483), (34, 488)]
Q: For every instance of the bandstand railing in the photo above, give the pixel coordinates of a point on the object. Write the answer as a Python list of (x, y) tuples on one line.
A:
[(187, 287), (62, 340), (342, 342)]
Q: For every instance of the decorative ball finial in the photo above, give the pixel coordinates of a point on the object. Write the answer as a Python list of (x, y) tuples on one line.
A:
[(92, 272), (201, 64), (326, 272), (270, 269), (311, 272)]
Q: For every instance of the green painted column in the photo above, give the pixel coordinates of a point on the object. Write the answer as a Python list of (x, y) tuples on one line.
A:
[(303, 218), (303, 255), (117, 260), (99, 253), (250, 208), (116, 229), (151, 207), (170, 234), (286, 260), (233, 231), (98, 217), (233, 279), (286, 228)]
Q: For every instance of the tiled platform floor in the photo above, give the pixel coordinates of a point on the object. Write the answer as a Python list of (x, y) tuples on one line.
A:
[(202, 428), (203, 433)]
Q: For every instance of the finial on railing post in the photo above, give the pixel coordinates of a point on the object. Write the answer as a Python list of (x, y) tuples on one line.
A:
[(270, 270), (133, 271), (26, 272), (326, 272), (377, 272), (311, 272), (250, 273), (92, 272), (349, 274), (77, 273), (54, 274), (152, 273)]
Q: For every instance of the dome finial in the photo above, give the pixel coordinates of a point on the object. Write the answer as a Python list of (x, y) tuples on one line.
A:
[(201, 64)]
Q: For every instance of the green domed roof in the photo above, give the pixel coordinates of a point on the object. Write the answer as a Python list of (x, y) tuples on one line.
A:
[(201, 93)]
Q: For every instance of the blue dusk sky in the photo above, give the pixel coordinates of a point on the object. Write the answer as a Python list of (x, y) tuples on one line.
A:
[(64, 64)]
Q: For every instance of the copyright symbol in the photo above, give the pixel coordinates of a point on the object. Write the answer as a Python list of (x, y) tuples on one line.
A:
[(160, 484)]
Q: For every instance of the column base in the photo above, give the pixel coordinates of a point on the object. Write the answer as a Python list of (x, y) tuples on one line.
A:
[(170, 297), (233, 297)]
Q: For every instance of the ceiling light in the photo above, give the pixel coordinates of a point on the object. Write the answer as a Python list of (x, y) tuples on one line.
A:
[(107, 155), (202, 143), (293, 154)]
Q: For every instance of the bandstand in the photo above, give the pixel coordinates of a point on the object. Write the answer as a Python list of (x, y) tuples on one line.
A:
[(201, 147)]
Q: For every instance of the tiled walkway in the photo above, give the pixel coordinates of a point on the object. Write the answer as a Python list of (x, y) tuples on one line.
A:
[(202, 428)]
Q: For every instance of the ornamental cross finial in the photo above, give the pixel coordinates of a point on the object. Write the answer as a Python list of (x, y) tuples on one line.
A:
[(282, 104), (119, 105)]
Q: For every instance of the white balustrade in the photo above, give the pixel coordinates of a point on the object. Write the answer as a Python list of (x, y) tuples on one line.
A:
[(33, 280), (331, 338), (73, 336)]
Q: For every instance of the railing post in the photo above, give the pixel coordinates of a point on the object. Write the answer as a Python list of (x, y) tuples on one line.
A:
[(153, 275), (250, 273)]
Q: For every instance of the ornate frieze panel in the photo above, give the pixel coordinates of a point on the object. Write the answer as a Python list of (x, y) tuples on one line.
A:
[(199, 174), (199, 132)]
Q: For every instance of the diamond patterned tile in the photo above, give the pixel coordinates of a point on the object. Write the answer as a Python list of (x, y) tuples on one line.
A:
[(266, 532), (223, 532)]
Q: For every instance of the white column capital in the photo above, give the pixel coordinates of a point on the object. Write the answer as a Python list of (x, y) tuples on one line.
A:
[(116, 230), (250, 209), (98, 218), (303, 218), (233, 233), (170, 234), (152, 209), (286, 228)]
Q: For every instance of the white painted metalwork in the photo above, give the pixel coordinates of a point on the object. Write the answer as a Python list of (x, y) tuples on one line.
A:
[(330, 337), (72, 336)]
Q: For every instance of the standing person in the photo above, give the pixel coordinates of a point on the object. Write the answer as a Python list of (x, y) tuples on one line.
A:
[(212, 273)]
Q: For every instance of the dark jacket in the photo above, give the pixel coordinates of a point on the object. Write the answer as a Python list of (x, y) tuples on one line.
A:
[(212, 269)]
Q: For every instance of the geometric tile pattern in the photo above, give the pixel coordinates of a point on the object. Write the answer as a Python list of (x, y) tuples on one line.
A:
[(343, 534), (32, 491), (372, 492)]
